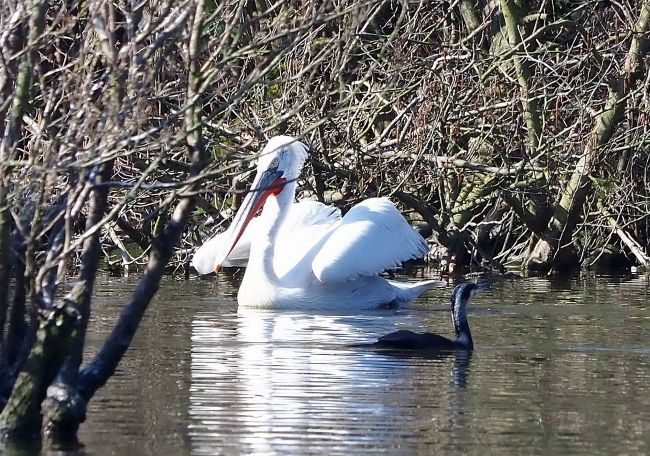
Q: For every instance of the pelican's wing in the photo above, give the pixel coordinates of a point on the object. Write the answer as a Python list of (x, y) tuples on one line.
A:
[(301, 234), (372, 237), (302, 226), (307, 212), (203, 260)]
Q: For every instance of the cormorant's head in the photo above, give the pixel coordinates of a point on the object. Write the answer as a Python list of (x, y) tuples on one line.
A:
[(464, 291)]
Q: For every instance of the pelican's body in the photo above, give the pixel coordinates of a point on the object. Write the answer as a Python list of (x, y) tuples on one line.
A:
[(305, 255), (409, 340)]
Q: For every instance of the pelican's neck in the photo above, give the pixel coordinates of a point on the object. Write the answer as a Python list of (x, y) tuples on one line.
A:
[(459, 317), (263, 246)]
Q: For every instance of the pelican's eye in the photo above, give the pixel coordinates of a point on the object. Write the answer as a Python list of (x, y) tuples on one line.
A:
[(275, 163)]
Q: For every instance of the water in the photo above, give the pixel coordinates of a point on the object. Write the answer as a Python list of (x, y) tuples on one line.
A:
[(559, 367)]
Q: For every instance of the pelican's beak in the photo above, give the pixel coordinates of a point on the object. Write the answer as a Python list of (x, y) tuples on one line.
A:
[(270, 182)]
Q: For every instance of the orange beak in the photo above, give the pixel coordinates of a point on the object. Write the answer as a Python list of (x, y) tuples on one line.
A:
[(268, 183)]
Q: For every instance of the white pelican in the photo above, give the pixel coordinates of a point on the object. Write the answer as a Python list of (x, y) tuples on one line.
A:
[(305, 255)]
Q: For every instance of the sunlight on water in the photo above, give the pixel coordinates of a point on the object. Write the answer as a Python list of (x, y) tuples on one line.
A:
[(559, 367), (294, 386)]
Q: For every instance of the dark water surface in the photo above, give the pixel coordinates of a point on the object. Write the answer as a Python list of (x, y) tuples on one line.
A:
[(559, 368)]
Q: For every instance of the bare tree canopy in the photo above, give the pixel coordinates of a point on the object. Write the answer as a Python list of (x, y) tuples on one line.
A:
[(517, 132)]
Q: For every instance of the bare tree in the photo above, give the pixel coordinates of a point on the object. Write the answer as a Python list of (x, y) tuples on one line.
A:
[(112, 111), (517, 132)]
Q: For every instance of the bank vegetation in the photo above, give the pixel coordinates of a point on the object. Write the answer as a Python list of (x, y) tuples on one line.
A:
[(514, 134)]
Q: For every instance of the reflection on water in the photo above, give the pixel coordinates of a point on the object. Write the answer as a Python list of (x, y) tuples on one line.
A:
[(559, 367), (287, 381)]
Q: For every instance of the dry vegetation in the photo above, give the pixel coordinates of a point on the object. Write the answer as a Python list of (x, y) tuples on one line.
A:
[(517, 131)]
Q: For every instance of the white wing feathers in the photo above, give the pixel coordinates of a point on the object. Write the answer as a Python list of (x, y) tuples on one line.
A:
[(302, 227), (305, 227), (372, 237), (307, 212), (203, 260)]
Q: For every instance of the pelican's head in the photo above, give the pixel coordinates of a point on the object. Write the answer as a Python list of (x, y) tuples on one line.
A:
[(280, 162), (283, 153)]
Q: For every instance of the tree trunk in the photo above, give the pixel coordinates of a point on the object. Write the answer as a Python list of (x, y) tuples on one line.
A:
[(66, 403), (512, 14), (20, 420)]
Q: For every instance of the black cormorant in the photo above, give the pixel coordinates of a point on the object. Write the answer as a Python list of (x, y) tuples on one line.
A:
[(409, 340)]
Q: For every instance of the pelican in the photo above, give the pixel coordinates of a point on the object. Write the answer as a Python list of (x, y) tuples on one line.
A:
[(409, 340), (305, 255)]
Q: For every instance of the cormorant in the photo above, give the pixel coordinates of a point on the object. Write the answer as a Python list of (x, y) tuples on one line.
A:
[(409, 340)]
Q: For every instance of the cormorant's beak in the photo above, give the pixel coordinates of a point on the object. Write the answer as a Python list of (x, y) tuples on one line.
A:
[(270, 182)]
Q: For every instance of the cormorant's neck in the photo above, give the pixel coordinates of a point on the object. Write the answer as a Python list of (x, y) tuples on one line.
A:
[(459, 317), (464, 337)]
